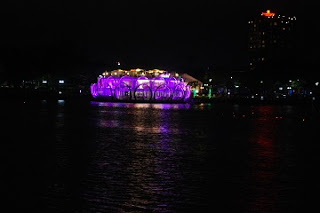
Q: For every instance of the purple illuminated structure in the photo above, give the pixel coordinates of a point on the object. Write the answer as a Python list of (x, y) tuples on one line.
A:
[(135, 87)]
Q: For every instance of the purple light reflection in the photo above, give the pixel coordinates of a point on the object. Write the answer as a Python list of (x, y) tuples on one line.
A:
[(164, 106)]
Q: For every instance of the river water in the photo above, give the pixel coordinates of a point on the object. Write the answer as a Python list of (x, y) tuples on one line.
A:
[(86, 156)]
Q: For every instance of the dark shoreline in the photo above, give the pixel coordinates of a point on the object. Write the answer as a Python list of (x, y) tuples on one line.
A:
[(25, 94)]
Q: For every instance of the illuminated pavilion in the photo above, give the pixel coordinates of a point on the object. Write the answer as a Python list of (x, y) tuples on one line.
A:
[(140, 85)]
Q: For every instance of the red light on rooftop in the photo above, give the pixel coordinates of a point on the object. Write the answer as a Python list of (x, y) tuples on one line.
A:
[(268, 14)]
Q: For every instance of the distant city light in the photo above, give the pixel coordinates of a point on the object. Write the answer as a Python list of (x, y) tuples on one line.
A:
[(44, 81), (289, 88), (60, 92), (261, 82), (290, 81), (61, 81), (317, 83), (236, 86), (231, 77), (80, 91), (118, 63), (267, 14), (280, 88), (210, 80)]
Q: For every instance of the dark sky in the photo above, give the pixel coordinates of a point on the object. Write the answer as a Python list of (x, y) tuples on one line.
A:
[(183, 36)]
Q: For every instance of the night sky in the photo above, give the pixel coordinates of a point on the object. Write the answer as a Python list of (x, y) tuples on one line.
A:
[(91, 36)]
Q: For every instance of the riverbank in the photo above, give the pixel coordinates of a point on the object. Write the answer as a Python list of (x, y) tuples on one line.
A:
[(32, 94)]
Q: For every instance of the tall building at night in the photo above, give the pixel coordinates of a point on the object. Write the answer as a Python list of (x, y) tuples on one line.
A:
[(272, 41)]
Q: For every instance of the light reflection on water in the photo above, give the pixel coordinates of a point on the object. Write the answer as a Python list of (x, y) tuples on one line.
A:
[(134, 157), (142, 105), (263, 165)]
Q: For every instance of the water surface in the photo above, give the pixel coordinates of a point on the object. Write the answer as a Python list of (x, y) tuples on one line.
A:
[(82, 156)]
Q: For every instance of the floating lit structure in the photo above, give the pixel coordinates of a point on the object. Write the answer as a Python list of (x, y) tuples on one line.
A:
[(141, 85)]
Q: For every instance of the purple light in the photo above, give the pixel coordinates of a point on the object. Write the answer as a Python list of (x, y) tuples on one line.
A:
[(128, 88)]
